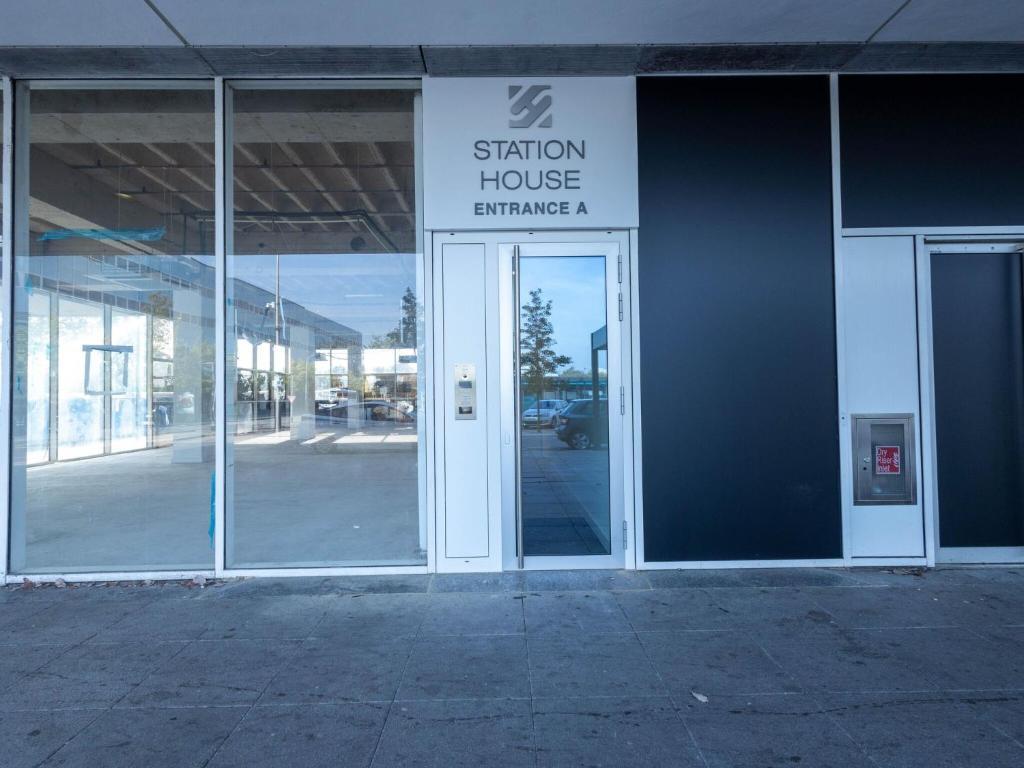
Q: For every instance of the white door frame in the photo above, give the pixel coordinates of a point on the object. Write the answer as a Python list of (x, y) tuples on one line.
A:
[(615, 250), (925, 246), (498, 248)]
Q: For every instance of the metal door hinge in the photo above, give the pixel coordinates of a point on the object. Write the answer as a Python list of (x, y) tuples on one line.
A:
[(620, 306), (622, 400), (620, 268), (625, 535)]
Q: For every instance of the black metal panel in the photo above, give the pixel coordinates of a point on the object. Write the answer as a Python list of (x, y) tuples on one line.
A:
[(737, 346), (932, 151), (978, 349)]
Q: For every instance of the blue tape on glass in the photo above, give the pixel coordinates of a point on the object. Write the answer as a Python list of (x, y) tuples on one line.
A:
[(145, 235), (213, 505)]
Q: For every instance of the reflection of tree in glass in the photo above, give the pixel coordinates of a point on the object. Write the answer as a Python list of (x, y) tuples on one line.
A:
[(537, 356), (404, 334)]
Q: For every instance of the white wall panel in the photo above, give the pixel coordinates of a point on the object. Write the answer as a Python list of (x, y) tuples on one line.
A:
[(465, 505), (878, 292)]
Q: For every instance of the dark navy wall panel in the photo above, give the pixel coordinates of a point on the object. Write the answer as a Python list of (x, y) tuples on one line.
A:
[(737, 344), (932, 150)]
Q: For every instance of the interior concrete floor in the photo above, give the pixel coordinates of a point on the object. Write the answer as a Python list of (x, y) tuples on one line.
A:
[(339, 498), (740, 668), (295, 503), (564, 496)]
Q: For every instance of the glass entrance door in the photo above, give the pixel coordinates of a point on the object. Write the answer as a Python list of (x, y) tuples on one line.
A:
[(569, 401)]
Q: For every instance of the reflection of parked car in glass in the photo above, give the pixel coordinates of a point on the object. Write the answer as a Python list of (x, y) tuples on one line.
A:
[(333, 395), (578, 428), (368, 411), (543, 413)]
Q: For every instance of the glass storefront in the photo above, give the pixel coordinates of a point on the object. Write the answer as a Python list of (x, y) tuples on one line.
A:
[(324, 327), (113, 391), (115, 402), (115, 398)]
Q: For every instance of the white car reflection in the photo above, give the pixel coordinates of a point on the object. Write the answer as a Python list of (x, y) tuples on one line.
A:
[(543, 413)]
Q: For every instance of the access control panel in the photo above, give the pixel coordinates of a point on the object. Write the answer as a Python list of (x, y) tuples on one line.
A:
[(465, 391), (883, 455)]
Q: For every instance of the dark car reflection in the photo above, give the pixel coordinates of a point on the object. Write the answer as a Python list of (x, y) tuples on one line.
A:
[(366, 413), (578, 428)]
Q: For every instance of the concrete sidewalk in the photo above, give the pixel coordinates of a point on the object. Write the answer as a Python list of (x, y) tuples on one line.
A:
[(665, 668)]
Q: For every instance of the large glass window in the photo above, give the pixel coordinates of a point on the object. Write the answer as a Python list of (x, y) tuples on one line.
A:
[(325, 338), (113, 410)]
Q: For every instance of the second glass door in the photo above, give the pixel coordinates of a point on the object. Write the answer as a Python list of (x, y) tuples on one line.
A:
[(568, 403)]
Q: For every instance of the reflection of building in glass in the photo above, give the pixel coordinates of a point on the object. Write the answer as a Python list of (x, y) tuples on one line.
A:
[(112, 341)]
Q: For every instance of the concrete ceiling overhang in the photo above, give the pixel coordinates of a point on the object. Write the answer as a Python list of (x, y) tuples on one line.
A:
[(452, 61), (395, 38)]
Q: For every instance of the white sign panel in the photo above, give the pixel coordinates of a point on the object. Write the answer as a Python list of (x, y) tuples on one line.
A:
[(529, 153)]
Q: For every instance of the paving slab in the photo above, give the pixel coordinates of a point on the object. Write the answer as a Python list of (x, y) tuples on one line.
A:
[(383, 616), (499, 613), (89, 676), (752, 667), (308, 735), (793, 610), (340, 670), (882, 607), (154, 738), (457, 734), (565, 581), (668, 609), (1002, 711), (770, 732), (715, 662), (923, 731), (467, 667), (589, 664), (612, 731), (508, 581), (28, 738), (558, 612), (213, 673), (854, 660)]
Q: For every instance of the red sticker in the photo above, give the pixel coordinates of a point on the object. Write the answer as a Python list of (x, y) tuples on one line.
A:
[(888, 460)]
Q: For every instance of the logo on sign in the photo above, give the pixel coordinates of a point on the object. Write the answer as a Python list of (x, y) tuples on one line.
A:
[(529, 105), (887, 460)]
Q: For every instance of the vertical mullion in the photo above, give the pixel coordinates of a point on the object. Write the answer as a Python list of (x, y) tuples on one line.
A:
[(220, 265), (424, 350), (6, 317), (845, 448)]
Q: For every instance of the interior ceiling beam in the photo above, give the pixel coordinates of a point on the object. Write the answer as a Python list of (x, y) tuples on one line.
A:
[(315, 242), (274, 179), (208, 157), (154, 177), (185, 171), (311, 177), (350, 178), (389, 177), (163, 127), (75, 200)]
